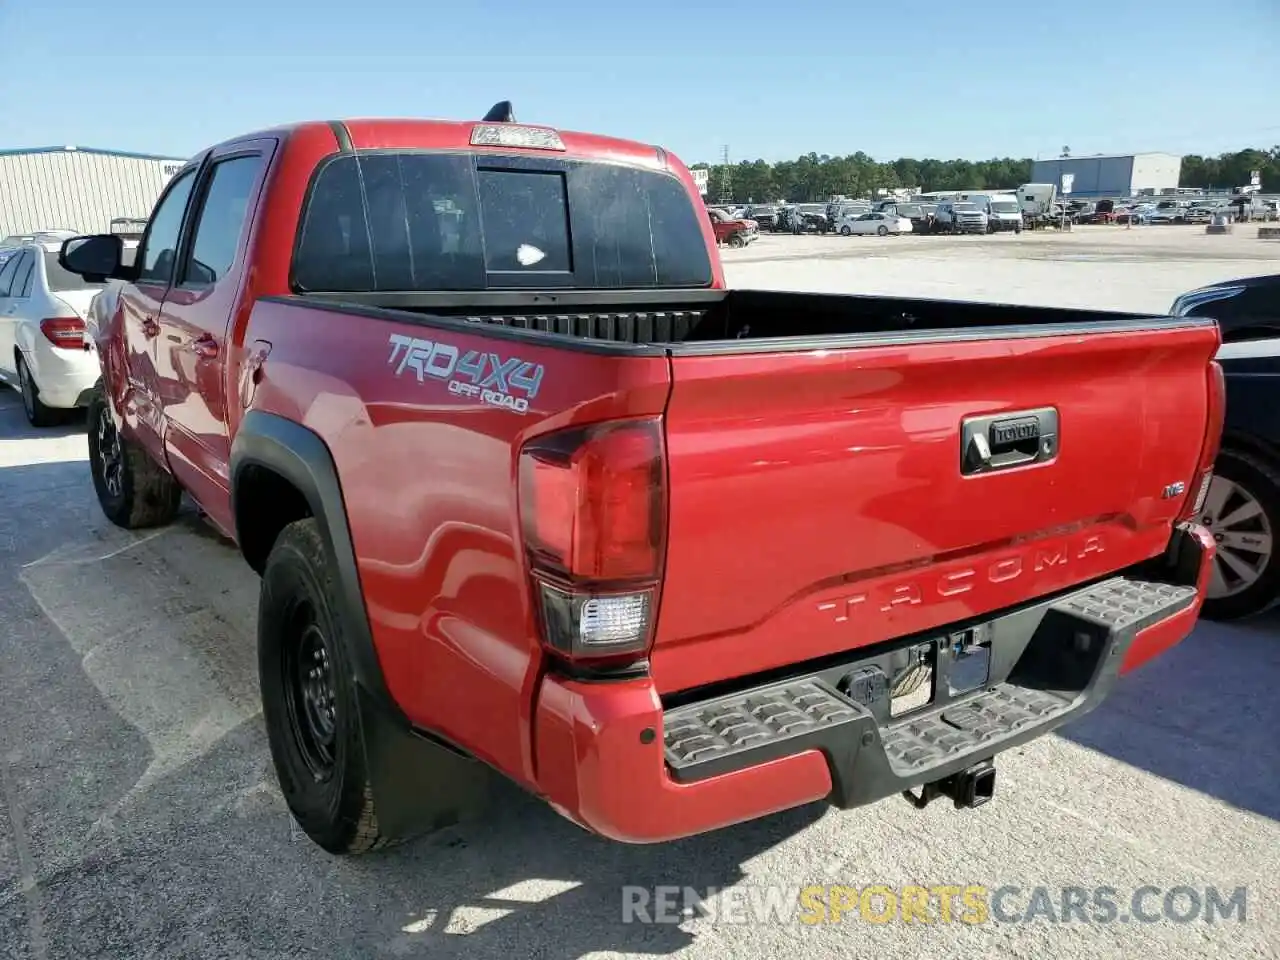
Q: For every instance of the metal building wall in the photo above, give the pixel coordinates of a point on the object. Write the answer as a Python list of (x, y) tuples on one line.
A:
[(1094, 176), (79, 190), (1156, 171), (1115, 176)]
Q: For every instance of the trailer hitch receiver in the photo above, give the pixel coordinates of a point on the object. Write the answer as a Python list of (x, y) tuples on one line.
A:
[(971, 787)]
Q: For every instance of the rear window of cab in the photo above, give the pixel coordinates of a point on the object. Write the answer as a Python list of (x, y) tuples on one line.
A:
[(404, 221)]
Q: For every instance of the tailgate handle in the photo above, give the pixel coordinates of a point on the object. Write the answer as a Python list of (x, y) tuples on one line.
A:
[(1007, 440)]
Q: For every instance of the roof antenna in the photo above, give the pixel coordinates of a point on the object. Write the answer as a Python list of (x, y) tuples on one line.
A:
[(500, 112)]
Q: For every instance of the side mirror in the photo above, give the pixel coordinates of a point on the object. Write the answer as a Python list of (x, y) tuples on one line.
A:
[(95, 258)]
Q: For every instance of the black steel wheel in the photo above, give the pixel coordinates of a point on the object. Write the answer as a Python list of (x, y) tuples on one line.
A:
[(309, 698), (308, 689)]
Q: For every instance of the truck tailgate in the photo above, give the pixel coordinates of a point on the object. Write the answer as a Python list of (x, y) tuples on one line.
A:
[(819, 500)]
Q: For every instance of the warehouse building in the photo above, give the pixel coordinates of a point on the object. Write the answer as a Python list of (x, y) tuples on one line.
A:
[(78, 188), (1122, 175)]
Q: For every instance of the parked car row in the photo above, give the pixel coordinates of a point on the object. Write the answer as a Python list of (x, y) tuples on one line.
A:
[(1171, 210), (857, 218)]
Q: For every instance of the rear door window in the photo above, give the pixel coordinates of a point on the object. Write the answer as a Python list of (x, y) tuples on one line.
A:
[(61, 280), (7, 272), (423, 221), (222, 215), (22, 278)]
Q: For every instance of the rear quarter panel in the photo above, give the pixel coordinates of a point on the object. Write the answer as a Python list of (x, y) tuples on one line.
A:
[(429, 480)]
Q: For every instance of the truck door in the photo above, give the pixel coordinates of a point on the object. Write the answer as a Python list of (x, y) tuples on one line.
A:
[(140, 303), (192, 355)]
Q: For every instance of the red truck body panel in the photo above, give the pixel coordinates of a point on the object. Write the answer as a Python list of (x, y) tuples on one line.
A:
[(817, 504), (428, 481), (814, 507)]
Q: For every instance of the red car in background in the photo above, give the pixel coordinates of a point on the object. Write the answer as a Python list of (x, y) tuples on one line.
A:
[(1105, 212), (732, 230)]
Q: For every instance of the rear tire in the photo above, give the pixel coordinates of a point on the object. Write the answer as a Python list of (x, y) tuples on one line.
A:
[(1247, 573), (846, 231), (882, 230), (309, 697), (133, 490), (38, 414)]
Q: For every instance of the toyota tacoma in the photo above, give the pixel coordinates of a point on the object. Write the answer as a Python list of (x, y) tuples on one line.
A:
[(531, 491)]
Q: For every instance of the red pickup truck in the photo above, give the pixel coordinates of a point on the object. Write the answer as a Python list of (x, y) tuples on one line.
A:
[(530, 491), (731, 230)]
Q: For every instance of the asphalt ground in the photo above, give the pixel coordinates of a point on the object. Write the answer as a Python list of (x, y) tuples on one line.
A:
[(139, 816)]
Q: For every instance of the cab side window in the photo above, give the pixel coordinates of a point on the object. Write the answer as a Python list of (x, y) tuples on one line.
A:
[(222, 217), (159, 247)]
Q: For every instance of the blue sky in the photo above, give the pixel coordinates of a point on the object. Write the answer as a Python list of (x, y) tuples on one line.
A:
[(918, 78)]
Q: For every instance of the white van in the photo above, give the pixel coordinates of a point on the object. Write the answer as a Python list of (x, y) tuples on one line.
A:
[(1003, 210)]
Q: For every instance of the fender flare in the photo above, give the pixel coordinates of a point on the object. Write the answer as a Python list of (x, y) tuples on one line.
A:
[(421, 781), (301, 457)]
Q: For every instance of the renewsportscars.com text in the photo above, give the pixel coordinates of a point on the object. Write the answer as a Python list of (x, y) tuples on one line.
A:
[(935, 904)]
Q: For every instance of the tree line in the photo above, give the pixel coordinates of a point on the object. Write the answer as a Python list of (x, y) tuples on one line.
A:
[(814, 177)]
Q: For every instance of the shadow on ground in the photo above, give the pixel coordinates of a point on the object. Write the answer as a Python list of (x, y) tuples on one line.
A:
[(17, 427), (521, 882), (1203, 715)]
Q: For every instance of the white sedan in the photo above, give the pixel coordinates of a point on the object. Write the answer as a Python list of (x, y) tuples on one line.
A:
[(881, 224), (44, 352)]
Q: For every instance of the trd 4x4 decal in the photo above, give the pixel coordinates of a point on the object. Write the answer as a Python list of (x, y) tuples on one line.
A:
[(507, 382)]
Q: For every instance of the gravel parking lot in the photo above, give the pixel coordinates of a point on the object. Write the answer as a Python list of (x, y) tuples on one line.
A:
[(139, 816), (1106, 267)]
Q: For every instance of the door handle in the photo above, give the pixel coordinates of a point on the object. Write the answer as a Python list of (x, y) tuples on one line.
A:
[(150, 327), (206, 347), (1008, 440)]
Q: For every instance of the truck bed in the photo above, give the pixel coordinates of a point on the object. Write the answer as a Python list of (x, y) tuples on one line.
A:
[(683, 321)]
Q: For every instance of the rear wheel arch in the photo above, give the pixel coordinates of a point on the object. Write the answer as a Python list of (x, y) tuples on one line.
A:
[(420, 781), (282, 471)]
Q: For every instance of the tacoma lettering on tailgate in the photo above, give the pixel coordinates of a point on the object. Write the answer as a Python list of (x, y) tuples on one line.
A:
[(508, 382), (937, 585)]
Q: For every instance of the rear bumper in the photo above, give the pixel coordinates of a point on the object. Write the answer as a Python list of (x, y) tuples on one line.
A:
[(611, 758), (64, 378)]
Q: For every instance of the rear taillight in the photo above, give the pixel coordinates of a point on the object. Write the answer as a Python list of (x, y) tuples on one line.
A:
[(65, 332), (593, 514), (1211, 444)]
